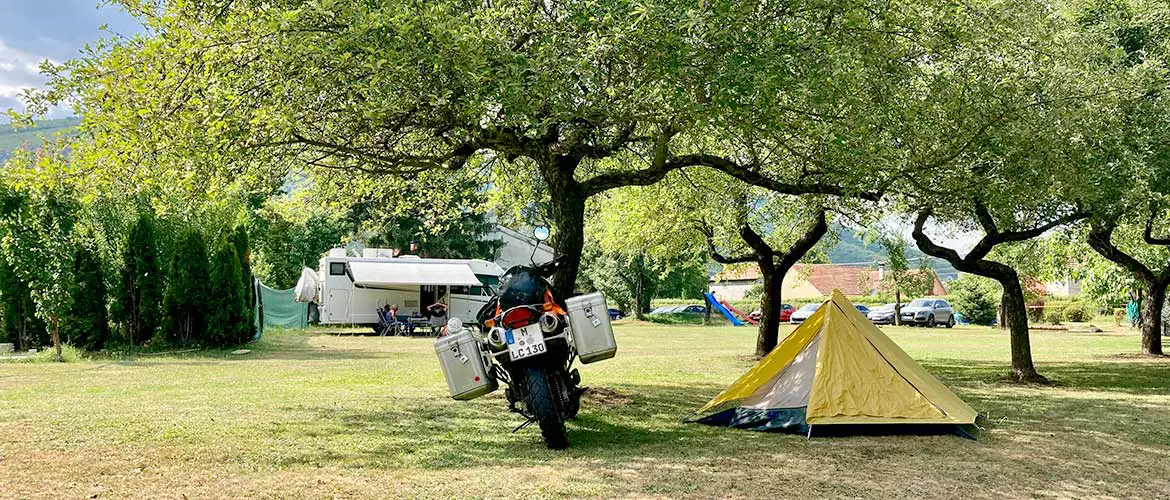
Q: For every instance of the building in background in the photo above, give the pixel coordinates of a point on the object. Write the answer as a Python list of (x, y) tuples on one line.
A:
[(807, 281)]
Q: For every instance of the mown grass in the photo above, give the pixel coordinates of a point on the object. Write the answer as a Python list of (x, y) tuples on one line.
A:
[(316, 414)]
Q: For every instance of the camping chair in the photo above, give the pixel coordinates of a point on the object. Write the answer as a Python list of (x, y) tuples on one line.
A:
[(385, 325)]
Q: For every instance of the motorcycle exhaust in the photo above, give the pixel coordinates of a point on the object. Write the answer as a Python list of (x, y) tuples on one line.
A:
[(549, 322), (495, 337)]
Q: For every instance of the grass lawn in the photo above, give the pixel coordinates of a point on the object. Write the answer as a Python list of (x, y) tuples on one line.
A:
[(316, 415)]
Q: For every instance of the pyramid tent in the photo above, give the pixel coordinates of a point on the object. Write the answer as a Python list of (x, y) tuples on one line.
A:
[(836, 369)]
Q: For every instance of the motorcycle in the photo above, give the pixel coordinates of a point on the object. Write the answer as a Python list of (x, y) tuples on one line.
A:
[(528, 339)]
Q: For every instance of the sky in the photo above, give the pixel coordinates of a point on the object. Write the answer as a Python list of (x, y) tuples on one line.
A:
[(32, 31)]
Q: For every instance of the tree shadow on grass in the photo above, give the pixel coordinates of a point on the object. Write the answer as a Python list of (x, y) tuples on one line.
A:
[(1144, 377), (439, 434)]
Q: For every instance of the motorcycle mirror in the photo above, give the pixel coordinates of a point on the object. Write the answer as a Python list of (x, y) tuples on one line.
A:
[(540, 233), (454, 325)]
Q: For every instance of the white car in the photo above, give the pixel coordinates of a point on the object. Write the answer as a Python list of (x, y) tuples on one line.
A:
[(928, 312), (803, 313)]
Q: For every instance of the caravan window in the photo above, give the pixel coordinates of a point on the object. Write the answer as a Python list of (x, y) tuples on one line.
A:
[(337, 269), (461, 290)]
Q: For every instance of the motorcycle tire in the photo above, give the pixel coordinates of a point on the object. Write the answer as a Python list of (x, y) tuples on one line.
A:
[(542, 404)]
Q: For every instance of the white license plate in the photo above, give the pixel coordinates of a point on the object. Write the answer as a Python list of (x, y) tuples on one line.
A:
[(525, 342)]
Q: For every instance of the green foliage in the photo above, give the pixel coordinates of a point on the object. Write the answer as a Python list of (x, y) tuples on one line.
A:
[(900, 278), (242, 246), (20, 324), (1054, 316), (188, 291), (975, 297), (228, 319), (1036, 312), (87, 324), (630, 282), (140, 291), (1076, 313)]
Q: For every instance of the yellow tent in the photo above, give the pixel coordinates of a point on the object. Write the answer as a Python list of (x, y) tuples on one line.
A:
[(836, 368)]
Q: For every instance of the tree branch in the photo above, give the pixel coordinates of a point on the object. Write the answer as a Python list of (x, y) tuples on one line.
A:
[(1148, 233), (805, 244), (1101, 239), (718, 257)]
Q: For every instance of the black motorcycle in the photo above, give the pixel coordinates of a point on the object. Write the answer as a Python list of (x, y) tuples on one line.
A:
[(528, 339)]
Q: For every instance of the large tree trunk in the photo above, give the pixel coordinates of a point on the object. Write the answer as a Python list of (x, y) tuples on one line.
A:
[(1155, 292), (1015, 314), (568, 214), (769, 328), (1153, 283)]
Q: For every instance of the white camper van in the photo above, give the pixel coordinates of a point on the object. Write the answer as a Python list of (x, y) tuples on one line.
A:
[(350, 290)]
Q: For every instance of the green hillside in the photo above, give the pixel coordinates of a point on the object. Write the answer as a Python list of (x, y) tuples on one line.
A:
[(851, 248), (10, 139)]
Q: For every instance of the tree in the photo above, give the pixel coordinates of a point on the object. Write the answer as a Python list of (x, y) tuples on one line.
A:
[(89, 323), (140, 292), (228, 316), (21, 326), (1126, 219), (239, 240), (900, 277), (38, 241), (1153, 279), (976, 262), (975, 297), (351, 87), (188, 291)]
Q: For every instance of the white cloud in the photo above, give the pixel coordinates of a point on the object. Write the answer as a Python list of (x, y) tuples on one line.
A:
[(19, 70)]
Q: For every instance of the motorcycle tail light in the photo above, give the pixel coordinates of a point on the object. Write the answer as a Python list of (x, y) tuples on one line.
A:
[(520, 317)]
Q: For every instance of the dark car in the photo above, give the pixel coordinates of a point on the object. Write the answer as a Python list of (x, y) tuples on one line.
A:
[(785, 313), (615, 314)]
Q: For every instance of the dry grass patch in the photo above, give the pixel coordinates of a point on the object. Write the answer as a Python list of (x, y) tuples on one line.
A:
[(316, 415)]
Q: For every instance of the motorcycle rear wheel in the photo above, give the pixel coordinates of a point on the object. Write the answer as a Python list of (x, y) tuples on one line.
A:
[(542, 404)]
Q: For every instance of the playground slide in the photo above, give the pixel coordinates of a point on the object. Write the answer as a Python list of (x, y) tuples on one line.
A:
[(723, 310), (739, 313)]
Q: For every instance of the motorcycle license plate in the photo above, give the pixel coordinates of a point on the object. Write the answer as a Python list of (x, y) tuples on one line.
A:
[(525, 342)]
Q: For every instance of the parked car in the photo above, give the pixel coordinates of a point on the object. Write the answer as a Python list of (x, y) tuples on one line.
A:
[(691, 309), (862, 309), (803, 313), (882, 315), (615, 314), (928, 312), (785, 313)]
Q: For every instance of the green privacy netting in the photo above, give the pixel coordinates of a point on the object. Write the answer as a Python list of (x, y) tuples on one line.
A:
[(281, 310)]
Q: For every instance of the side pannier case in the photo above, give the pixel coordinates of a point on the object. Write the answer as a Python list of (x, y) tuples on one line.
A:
[(464, 366), (589, 323)]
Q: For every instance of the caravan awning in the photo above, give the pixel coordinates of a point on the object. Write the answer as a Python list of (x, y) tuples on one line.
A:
[(407, 272)]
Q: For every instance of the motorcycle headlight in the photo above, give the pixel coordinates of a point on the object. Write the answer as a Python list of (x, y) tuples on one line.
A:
[(454, 325)]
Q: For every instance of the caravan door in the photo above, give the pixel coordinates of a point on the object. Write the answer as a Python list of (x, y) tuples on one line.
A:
[(466, 302), (338, 306)]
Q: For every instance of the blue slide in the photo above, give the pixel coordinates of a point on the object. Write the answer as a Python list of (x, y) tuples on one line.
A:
[(722, 310)]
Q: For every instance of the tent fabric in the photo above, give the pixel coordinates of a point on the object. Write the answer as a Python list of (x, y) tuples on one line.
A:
[(859, 376), (306, 289), (280, 309), (408, 272)]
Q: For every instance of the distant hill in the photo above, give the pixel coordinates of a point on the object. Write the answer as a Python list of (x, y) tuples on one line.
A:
[(11, 140), (851, 249)]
